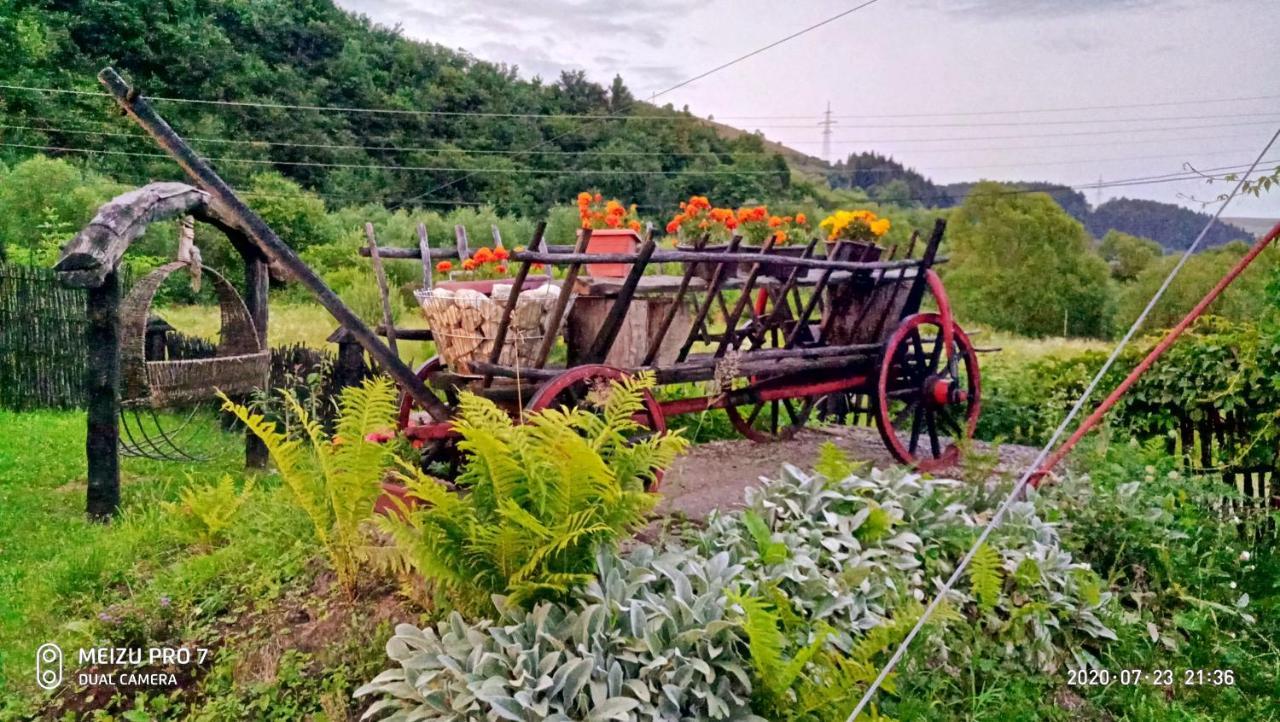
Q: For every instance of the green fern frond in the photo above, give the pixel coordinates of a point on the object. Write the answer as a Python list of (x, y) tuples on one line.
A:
[(771, 552), (986, 574), (833, 463)]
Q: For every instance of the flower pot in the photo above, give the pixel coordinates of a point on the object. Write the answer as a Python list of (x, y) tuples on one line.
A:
[(856, 251), (704, 269), (611, 240), (772, 270)]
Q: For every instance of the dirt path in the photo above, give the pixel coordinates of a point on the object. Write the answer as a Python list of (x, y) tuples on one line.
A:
[(714, 475)]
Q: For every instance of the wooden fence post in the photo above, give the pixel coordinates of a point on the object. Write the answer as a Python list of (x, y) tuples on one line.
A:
[(257, 280), (102, 387)]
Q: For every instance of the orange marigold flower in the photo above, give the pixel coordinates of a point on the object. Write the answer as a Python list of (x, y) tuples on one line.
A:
[(613, 221), (731, 223), (801, 219), (673, 226), (774, 221), (444, 267), (599, 197), (501, 253), (484, 255), (634, 225), (536, 266), (469, 264), (501, 268)]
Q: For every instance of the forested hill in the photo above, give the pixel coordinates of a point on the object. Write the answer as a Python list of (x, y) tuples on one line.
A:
[(309, 52), (1174, 227)]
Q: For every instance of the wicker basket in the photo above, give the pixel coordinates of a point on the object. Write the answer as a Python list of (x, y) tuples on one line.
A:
[(465, 324), (241, 365)]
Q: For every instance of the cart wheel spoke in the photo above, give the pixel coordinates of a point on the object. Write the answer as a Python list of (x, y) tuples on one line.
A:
[(909, 407)]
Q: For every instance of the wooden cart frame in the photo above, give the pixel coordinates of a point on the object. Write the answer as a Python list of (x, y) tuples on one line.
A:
[(817, 341)]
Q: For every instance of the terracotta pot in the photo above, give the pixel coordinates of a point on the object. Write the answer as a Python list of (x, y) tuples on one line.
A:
[(612, 240)]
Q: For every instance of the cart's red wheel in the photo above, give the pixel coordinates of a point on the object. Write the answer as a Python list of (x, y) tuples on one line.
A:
[(767, 421), (574, 388), (927, 401), (429, 368), (439, 452)]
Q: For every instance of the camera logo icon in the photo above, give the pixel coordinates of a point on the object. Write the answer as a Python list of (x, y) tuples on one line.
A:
[(49, 666)]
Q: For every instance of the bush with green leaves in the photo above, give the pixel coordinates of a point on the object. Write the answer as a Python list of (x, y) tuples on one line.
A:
[(792, 604), (336, 477), (649, 639), (539, 498)]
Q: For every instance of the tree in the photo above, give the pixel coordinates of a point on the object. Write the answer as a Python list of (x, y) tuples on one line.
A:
[(43, 202), (297, 216), (620, 98), (1128, 255), (1020, 263), (1244, 300)]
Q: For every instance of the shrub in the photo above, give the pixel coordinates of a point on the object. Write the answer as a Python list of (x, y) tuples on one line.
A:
[(336, 480), (212, 507), (796, 617), (541, 497)]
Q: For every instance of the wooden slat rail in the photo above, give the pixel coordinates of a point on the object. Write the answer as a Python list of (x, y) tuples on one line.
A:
[(698, 331), (399, 253), (384, 295), (656, 342), (715, 257)]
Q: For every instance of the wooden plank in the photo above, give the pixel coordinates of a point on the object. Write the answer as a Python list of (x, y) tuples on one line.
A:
[(277, 251), (407, 334), (460, 239), (257, 283), (700, 320), (731, 318), (497, 237), (424, 251), (384, 294), (395, 253)]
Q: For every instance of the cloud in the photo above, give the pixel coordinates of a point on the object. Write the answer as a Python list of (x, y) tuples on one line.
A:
[(543, 37), (1046, 8)]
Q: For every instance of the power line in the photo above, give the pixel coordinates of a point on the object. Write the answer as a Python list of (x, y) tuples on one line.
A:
[(671, 117), (1271, 116), (1040, 135), (605, 171), (447, 145), (694, 79)]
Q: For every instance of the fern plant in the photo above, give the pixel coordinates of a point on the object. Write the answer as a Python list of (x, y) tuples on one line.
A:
[(211, 506), (986, 573), (539, 498), (333, 479)]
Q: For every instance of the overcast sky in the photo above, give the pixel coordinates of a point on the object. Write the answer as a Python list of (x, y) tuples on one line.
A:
[(938, 60)]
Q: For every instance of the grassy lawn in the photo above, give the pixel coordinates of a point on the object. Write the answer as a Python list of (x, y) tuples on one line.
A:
[(291, 323), (149, 579)]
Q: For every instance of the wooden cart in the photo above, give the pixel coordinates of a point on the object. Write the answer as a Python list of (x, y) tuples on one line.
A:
[(816, 342)]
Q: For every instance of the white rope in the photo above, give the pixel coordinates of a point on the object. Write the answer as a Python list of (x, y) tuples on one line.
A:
[(1019, 487)]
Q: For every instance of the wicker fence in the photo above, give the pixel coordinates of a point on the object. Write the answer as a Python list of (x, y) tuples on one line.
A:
[(42, 346)]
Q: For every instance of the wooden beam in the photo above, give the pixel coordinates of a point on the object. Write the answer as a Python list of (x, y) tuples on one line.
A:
[(517, 285), (424, 250), (276, 251), (384, 294), (257, 281), (460, 238), (102, 386)]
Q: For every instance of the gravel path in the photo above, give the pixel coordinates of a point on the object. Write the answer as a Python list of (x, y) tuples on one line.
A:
[(714, 475)]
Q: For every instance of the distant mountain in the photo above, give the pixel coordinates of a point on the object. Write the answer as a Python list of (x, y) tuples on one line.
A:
[(888, 180), (1172, 226), (1255, 226), (1072, 201)]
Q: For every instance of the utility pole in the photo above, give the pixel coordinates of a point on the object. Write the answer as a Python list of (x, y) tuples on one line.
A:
[(826, 124), (1097, 193)]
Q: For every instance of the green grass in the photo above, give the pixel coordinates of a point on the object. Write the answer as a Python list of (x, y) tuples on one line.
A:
[(141, 579), (290, 323)]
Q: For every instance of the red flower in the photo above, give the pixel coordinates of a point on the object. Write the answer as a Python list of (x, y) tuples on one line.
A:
[(501, 268), (444, 267), (501, 253)]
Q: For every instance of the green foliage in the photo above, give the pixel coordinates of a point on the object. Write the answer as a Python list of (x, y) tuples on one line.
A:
[(212, 506), (1020, 263), (1174, 227), (649, 640), (986, 575), (43, 201), (1128, 255), (541, 497), (1244, 301), (334, 479), (297, 216), (1217, 367)]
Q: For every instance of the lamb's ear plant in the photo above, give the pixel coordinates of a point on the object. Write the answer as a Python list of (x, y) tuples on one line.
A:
[(538, 499), (334, 480)]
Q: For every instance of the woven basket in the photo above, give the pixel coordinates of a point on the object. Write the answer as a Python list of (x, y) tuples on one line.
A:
[(465, 325), (241, 365)]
